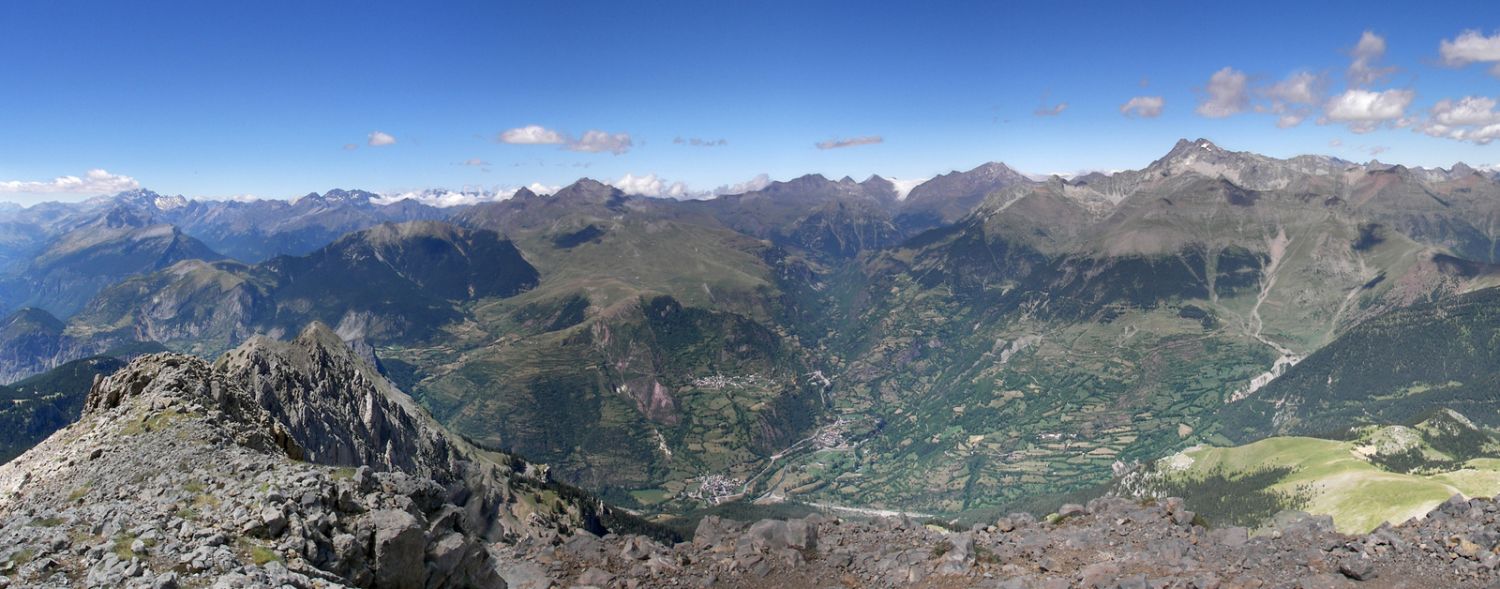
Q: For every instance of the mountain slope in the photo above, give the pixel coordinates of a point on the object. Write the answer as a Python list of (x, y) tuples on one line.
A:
[(1388, 369), (1375, 474), (1065, 326), (30, 410)]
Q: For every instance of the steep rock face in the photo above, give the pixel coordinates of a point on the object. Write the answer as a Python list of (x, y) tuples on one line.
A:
[(341, 412)]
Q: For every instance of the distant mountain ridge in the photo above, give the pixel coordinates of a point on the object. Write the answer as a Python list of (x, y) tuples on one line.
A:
[(986, 339)]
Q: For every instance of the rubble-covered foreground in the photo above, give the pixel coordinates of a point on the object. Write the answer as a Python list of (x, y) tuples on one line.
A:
[(1107, 544)]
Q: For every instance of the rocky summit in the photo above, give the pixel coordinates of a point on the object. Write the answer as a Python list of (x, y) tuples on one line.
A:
[(281, 464)]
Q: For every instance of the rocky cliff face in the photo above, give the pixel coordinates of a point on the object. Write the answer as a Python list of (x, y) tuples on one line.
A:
[(280, 464)]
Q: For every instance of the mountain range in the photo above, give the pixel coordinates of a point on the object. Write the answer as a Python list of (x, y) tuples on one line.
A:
[(987, 340)]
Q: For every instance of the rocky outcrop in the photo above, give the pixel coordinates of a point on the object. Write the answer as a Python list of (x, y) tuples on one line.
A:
[(281, 464)]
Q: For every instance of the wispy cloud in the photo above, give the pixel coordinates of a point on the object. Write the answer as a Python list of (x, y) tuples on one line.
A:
[(850, 142), (1367, 53), (1226, 94), (380, 139), (1472, 47), (96, 181), (1294, 98), (700, 142), (594, 141), (1050, 111), (1146, 107), (475, 162), (350, 147), (904, 186), (756, 183)]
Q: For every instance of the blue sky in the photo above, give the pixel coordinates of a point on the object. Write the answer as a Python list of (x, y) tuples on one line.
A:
[(277, 99)]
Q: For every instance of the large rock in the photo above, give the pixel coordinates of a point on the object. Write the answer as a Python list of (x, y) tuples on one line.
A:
[(772, 534), (399, 547)]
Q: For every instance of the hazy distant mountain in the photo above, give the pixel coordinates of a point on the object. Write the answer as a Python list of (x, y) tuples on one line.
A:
[(252, 231), (77, 264), (986, 340), (948, 197), (394, 282), (837, 219)]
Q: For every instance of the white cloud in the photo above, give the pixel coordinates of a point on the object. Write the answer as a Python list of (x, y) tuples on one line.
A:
[(904, 187), (1293, 98), (93, 182), (651, 185), (1146, 107), (1469, 110), (1472, 47), (453, 198), (850, 142), (1335, 142), (758, 182), (1298, 88), (1472, 118), (379, 139), (1364, 110), (350, 147), (592, 141), (475, 163), (1365, 69), (1225, 95), (1050, 111), (656, 186), (531, 135), (595, 141)]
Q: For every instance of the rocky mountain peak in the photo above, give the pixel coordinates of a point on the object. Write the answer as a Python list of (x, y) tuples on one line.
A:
[(147, 199), (1187, 153), (948, 197), (283, 463), (341, 195), (882, 189), (589, 191)]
